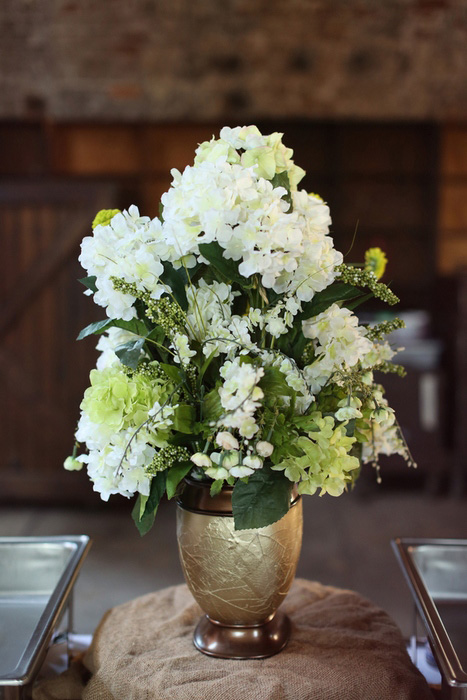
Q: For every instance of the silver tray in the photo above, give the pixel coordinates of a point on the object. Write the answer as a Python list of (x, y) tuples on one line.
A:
[(37, 575), (436, 571)]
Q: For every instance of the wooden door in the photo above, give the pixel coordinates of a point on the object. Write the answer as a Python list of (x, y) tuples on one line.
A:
[(43, 370)]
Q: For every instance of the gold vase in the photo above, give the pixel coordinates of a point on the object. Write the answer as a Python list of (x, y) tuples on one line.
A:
[(238, 577)]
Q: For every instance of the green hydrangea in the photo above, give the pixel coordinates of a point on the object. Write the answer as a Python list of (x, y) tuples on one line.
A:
[(118, 400), (326, 461)]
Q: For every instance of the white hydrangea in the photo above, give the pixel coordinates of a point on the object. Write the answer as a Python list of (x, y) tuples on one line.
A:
[(112, 476), (339, 344), (181, 345), (380, 352), (217, 200), (210, 320), (130, 247), (240, 396)]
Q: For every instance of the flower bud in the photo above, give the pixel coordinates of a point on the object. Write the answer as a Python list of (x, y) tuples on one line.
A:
[(72, 464), (264, 448), (227, 440), (201, 460)]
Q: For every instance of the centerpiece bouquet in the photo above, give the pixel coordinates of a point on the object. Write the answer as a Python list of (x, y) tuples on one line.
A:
[(231, 351)]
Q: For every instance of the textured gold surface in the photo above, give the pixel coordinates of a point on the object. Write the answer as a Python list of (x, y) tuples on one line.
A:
[(239, 577)]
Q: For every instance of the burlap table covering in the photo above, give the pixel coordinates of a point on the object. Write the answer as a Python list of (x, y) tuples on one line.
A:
[(342, 648)]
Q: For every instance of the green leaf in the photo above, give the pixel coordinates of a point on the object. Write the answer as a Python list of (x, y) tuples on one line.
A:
[(338, 291), (184, 418), (142, 504), (175, 475), (262, 501), (228, 269), (134, 326), (173, 373), (350, 427), (176, 279), (359, 300), (95, 328), (206, 364), (274, 382), (212, 407), (130, 352), (144, 519), (282, 180), (216, 487), (89, 282)]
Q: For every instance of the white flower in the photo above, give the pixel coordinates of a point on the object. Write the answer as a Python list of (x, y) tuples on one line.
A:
[(241, 471), (347, 413), (201, 460), (253, 461), (183, 352), (227, 440), (217, 473), (264, 448), (240, 396), (130, 247), (339, 343)]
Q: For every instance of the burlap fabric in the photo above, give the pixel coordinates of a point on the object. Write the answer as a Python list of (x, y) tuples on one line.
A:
[(342, 648)]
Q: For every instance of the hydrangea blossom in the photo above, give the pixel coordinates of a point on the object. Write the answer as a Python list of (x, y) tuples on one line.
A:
[(213, 367), (339, 343), (240, 396), (130, 247)]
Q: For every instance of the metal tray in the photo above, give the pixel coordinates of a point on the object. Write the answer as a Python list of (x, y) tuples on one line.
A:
[(436, 571), (37, 575)]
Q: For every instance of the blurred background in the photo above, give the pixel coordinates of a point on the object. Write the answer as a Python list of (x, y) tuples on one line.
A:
[(99, 100)]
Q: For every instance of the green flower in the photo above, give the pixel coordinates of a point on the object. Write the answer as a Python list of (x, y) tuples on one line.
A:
[(118, 400), (263, 157), (104, 217), (325, 462)]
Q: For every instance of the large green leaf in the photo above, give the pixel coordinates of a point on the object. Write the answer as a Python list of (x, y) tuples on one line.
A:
[(134, 326), (144, 518), (212, 407), (175, 475), (262, 501), (184, 418), (130, 352), (228, 269), (274, 382), (95, 328), (174, 373), (176, 279)]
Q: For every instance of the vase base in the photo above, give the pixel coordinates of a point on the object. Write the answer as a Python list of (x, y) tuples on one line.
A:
[(242, 642)]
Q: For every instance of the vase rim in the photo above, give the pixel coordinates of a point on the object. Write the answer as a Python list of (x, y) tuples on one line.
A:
[(195, 496)]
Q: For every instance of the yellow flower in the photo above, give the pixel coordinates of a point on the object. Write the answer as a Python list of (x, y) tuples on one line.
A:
[(375, 261), (104, 217)]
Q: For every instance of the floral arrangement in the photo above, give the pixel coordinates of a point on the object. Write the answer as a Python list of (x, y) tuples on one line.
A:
[(231, 350)]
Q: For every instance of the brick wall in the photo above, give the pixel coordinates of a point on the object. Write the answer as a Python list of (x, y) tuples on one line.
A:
[(179, 60)]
